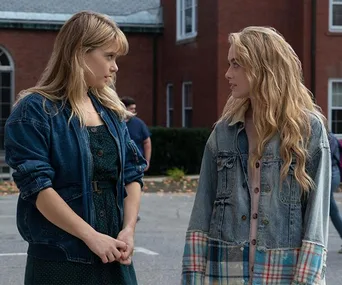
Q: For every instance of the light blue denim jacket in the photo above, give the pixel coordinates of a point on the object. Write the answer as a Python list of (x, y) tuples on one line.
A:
[(292, 229)]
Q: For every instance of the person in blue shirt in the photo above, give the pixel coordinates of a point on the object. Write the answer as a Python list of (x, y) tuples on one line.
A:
[(335, 182), (138, 130)]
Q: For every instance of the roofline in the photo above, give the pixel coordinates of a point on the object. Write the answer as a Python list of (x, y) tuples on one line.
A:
[(47, 21)]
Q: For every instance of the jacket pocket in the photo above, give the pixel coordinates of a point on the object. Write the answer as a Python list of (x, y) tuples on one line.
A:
[(226, 172), (290, 192)]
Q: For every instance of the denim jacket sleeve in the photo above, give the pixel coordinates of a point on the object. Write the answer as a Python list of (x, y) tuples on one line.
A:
[(27, 140), (311, 263), (196, 243), (134, 162)]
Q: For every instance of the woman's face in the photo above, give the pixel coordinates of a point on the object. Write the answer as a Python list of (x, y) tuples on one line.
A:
[(102, 64), (236, 75)]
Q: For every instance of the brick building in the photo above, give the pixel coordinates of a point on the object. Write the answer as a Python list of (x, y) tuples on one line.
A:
[(178, 51)]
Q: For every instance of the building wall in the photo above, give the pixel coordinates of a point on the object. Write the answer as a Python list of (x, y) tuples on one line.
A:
[(194, 60), (31, 49), (328, 54)]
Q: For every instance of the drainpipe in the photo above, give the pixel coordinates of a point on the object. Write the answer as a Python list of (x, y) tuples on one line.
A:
[(313, 47)]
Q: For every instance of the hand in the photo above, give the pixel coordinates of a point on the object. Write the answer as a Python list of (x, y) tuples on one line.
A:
[(105, 247), (127, 236), (147, 166)]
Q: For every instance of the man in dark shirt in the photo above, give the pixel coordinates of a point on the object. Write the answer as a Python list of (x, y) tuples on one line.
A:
[(138, 131)]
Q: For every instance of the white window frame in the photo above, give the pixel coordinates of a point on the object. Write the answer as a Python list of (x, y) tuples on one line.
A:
[(181, 35), (10, 69), (183, 101), (168, 108), (330, 106), (333, 28)]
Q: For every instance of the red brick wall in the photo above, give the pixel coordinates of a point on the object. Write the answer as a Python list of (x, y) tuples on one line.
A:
[(286, 16), (328, 54), (193, 61), (31, 49), (30, 52), (135, 76)]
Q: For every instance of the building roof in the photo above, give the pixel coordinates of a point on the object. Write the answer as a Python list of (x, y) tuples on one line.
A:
[(124, 12)]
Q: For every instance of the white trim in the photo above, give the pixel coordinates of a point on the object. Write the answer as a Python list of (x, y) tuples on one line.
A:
[(11, 70), (183, 101), (142, 18), (180, 33), (168, 105), (333, 28), (330, 107)]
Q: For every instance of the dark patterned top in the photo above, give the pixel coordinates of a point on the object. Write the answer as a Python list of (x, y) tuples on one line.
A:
[(105, 162)]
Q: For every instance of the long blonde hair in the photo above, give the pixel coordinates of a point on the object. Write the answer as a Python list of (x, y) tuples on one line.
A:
[(63, 78), (281, 102)]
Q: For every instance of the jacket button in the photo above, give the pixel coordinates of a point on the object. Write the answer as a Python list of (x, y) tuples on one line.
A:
[(244, 217), (93, 130), (100, 152), (256, 190), (257, 165), (253, 242), (102, 214), (255, 216)]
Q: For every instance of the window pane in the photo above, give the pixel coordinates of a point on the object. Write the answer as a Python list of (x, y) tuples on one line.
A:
[(337, 94), (188, 3), (188, 20), (5, 111), (5, 95), (336, 121), (170, 96), (5, 79), (188, 95), (4, 59), (337, 15), (2, 126), (170, 118), (188, 118)]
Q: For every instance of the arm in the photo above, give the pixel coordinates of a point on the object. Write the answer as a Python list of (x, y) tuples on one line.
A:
[(133, 173), (58, 212), (147, 152), (311, 264), (196, 242), (131, 209)]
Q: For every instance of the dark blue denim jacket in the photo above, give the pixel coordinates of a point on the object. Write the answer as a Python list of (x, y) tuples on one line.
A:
[(47, 151)]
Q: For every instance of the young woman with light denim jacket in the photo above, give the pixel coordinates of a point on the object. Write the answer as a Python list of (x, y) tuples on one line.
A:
[(261, 210), (78, 172)]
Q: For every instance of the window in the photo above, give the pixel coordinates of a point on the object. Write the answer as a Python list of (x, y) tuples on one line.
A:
[(169, 105), (186, 19), (6, 101), (335, 16), (187, 105), (335, 106)]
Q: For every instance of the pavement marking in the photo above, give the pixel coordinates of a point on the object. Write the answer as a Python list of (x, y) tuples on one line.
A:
[(13, 254), (136, 250), (145, 250)]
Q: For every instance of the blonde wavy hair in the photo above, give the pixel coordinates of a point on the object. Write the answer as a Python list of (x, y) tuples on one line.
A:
[(281, 102), (63, 78)]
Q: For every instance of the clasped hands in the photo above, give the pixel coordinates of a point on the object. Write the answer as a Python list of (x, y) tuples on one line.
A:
[(110, 249)]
